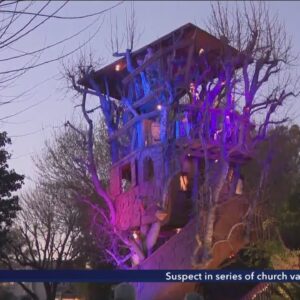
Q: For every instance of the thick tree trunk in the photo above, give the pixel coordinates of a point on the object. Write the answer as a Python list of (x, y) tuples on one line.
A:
[(143, 247), (152, 236), (209, 231), (214, 198), (50, 289)]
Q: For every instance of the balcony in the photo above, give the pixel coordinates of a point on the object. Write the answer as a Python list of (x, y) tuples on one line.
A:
[(213, 132)]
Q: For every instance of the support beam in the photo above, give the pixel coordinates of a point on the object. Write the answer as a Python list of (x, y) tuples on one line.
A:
[(151, 60), (130, 123), (148, 97)]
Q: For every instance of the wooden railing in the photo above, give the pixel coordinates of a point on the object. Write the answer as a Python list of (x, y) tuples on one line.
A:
[(210, 125), (215, 127)]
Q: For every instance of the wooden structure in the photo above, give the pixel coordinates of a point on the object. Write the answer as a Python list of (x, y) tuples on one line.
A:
[(158, 111), (159, 129)]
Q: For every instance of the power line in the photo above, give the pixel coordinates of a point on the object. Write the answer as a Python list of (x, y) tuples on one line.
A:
[(29, 133), (13, 98), (63, 17), (36, 131), (27, 108), (4, 43), (51, 45), (54, 59)]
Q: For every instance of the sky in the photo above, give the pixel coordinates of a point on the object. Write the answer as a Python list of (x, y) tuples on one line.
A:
[(48, 104)]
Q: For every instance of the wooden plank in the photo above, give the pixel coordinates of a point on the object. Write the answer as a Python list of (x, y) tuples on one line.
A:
[(157, 55), (130, 123), (148, 97)]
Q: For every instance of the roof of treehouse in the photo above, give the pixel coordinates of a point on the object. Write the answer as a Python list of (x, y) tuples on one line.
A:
[(180, 40)]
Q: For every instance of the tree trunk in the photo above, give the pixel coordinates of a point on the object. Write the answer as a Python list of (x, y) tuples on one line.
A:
[(209, 231), (152, 236), (50, 289), (212, 207)]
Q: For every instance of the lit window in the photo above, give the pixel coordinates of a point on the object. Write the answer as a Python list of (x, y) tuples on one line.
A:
[(126, 177), (183, 180), (155, 132)]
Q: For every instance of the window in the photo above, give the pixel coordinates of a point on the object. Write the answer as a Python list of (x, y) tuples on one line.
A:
[(155, 132), (126, 177), (183, 182), (148, 168)]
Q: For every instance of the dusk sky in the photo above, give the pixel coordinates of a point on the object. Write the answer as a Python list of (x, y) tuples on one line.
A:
[(48, 104)]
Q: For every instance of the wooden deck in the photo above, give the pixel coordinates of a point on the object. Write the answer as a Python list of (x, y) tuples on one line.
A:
[(194, 148)]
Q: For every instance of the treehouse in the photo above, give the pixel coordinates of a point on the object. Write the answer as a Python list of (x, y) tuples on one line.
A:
[(163, 128), (153, 119)]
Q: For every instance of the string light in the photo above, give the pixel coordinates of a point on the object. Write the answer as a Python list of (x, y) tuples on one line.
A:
[(178, 230), (135, 235), (159, 107), (118, 67)]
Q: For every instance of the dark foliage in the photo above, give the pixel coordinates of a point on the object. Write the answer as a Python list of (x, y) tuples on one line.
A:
[(10, 182)]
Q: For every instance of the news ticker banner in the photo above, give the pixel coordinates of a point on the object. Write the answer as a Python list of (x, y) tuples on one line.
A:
[(115, 276)]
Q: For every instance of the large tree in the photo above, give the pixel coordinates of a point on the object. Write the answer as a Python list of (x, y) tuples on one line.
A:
[(61, 168), (255, 82), (45, 237), (53, 229), (24, 21), (277, 191), (10, 182), (19, 23), (273, 181), (247, 86)]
